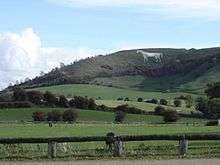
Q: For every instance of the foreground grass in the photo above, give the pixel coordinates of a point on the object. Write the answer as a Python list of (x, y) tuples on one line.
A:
[(58, 130)]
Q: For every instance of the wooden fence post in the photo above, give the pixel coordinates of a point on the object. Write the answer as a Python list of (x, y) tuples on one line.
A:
[(52, 149), (183, 146), (118, 148)]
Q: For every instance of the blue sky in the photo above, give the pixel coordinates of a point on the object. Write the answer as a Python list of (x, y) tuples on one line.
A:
[(108, 27), (47, 32)]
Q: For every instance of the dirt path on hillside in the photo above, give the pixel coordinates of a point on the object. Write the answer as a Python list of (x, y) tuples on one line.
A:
[(118, 162)]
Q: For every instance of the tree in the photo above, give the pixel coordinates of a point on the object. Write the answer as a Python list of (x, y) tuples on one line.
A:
[(177, 103), (214, 107), (63, 102), (170, 115), (140, 99), (213, 90), (38, 116), (120, 116), (91, 104), (54, 115), (35, 97), (189, 101), (50, 98), (70, 115), (202, 105), (163, 102), (19, 94), (159, 110)]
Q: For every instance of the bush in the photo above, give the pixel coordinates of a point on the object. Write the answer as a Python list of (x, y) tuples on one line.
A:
[(54, 115), (20, 104), (39, 116), (50, 99), (63, 102), (127, 109), (104, 108), (140, 99), (120, 98), (35, 97), (70, 115), (163, 102), (119, 116), (91, 104), (170, 115), (153, 101), (126, 99), (159, 110), (177, 103), (212, 123), (19, 94)]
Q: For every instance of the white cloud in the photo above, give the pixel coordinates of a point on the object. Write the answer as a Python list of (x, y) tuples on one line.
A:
[(22, 55), (169, 8)]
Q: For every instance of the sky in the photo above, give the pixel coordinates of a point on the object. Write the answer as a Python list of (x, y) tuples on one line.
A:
[(36, 35)]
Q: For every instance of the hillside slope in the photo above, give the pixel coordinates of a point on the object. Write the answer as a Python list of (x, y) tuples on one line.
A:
[(166, 69)]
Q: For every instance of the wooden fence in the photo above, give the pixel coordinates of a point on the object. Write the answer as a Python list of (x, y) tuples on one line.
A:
[(115, 141)]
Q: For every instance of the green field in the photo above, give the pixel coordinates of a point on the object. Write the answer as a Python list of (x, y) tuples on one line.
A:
[(106, 93), (58, 130), (141, 105), (25, 115)]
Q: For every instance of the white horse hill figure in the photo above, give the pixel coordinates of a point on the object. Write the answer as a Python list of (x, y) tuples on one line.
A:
[(146, 55)]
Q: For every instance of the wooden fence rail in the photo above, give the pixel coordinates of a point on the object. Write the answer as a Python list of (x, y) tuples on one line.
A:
[(116, 141)]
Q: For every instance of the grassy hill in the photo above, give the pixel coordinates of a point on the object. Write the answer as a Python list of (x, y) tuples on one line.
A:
[(176, 70)]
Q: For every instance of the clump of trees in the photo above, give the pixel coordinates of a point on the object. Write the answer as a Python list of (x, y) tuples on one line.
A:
[(163, 102), (69, 115), (210, 105), (169, 115), (177, 103)]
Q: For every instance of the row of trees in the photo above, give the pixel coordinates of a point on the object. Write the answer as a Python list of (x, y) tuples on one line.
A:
[(69, 115)]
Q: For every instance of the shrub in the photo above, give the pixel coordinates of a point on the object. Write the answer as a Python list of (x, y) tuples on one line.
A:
[(50, 99), (119, 116), (170, 115), (35, 97), (212, 123), (163, 102), (63, 102), (20, 104), (127, 109), (120, 98), (72, 103), (177, 103), (39, 116), (70, 115), (54, 115), (140, 99), (159, 110), (104, 108), (91, 104), (126, 99), (19, 94), (153, 101), (189, 101)]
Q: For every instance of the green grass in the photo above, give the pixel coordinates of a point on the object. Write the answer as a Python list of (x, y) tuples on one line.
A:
[(25, 115), (141, 105), (58, 130), (106, 93)]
